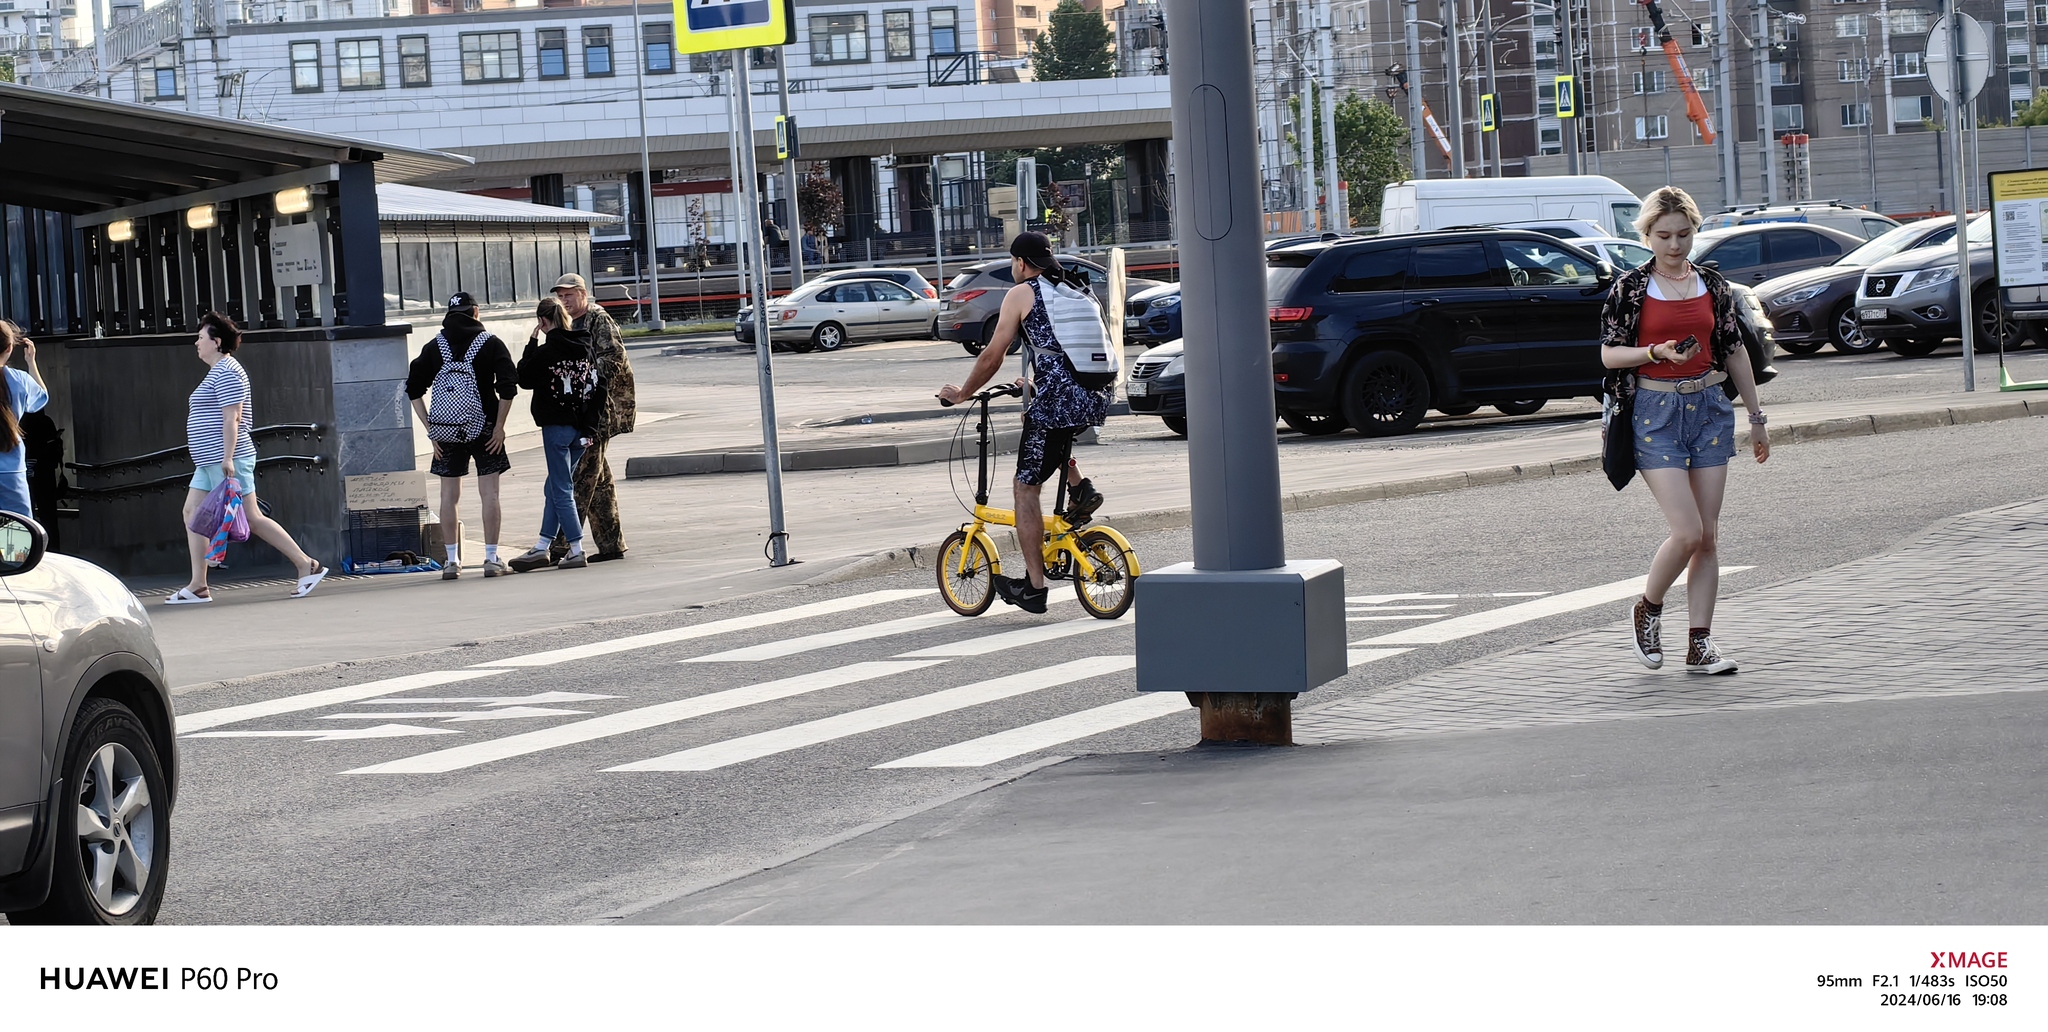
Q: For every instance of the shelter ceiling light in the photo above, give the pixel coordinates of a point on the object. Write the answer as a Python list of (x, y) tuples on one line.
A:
[(200, 217), (294, 201), (121, 232)]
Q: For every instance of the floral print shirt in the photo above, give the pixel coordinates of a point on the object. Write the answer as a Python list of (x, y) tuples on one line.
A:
[(1622, 316)]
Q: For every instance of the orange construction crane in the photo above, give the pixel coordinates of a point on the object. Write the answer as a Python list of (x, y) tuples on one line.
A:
[(1400, 76), (1695, 108)]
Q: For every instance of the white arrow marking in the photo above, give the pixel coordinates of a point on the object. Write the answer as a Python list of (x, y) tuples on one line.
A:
[(334, 734), (536, 699), (458, 716)]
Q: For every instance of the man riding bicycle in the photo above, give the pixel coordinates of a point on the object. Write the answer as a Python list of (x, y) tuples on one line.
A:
[(1057, 407)]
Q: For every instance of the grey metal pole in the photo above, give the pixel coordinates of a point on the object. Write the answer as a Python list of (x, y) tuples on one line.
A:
[(938, 217), (1958, 106), (1328, 65), (1724, 87), (1454, 88), (750, 231), (1492, 90), (1571, 69), (789, 182), (1418, 158), (1760, 58), (646, 198)]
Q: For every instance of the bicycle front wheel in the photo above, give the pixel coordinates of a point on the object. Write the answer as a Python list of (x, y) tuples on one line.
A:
[(1107, 593), (966, 571)]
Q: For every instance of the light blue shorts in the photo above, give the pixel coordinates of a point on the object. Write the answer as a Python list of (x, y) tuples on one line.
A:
[(206, 478), (1684, 431)]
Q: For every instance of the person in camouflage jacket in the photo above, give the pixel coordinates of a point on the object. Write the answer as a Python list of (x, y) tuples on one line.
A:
[(597, 500)]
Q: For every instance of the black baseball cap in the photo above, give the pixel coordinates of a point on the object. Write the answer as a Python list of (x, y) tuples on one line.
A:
[(461, 299), (1035, 249)]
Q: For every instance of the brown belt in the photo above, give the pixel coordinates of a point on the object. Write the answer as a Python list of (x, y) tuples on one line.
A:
[(1694, 386)]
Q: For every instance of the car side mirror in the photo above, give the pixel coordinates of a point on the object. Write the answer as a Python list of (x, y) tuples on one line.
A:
[(1604, 271), (22, 544), (1711, 264)]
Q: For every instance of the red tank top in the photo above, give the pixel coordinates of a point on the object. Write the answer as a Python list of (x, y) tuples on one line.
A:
[(1677, 320)]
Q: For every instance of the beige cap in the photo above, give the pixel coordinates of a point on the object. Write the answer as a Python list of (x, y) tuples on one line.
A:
[(569, 281)]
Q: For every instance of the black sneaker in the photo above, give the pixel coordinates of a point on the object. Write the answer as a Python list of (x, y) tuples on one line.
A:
[(1082, 502), (1018, 592)]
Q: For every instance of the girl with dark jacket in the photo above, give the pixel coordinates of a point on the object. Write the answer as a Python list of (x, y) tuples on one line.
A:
[(558, 368), (1670, 339)]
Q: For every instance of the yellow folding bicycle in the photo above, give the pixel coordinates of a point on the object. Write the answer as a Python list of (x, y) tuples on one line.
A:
[(1102, 565)]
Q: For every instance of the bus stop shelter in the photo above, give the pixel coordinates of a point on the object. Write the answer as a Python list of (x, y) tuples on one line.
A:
[(123, 225)]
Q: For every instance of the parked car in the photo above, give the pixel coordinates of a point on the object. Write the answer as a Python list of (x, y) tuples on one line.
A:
[(1384, 330), (1563, 229), (1909, 301), (1153, 315), (826, 315), (911, 279), (88, 751), (1813, 309), (968, 307), (1428, 205), (1752, 254), (1622, 254), (1292, 239), (1858, 222)]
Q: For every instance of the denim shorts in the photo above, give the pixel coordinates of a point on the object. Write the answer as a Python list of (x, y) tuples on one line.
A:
[(1684, 431)]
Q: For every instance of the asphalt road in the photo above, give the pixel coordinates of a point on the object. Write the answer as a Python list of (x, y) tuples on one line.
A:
[(270, 829)]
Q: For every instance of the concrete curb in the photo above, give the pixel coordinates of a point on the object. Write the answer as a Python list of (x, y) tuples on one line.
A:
[(855, 456), (920, 556)]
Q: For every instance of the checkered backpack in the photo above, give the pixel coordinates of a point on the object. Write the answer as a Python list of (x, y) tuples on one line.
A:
[(456, 412)]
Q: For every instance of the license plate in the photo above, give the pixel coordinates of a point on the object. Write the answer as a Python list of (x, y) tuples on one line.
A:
[(1132, 324), (1873, 314), (1137, 389)]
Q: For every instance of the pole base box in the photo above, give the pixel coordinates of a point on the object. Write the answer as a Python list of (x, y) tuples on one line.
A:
[(1278, 630)]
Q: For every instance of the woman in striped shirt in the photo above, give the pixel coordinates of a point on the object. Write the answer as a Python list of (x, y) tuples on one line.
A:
[(220, 414)]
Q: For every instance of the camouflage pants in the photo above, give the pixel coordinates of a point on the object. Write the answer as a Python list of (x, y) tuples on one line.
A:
[(597, 502)]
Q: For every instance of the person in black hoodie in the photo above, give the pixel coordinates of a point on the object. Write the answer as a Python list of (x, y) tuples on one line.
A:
[(496, 382), (559, 369)]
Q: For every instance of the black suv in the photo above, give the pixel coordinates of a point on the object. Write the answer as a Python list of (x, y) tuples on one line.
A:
[(1374, 334)]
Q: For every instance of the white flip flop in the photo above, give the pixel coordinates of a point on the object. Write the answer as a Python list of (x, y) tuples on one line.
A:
[(185, 597), (311, 580)]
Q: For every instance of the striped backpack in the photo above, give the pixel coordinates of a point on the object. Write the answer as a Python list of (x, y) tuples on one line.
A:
[(1077, 325)]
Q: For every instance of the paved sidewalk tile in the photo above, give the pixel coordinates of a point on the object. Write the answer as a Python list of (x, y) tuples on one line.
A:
[(1952, 613)]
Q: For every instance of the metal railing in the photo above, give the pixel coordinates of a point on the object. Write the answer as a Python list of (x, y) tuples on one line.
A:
[(314, 431), (317, 463)]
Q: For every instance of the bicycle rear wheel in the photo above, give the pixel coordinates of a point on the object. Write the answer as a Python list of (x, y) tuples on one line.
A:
[(965, 574), (1106, 594)]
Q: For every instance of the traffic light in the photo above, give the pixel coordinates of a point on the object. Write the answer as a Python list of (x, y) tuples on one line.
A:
[(1567, 97), (1487, 121), (785, 138)]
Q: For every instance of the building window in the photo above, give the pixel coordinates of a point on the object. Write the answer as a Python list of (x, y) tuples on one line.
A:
[(1849, 25), (1546, 98), (659, 40), (898, 41), (2041, 14), (166, 76), (1908, 64), (597, 51), (839, 38), (1782, 31), (311, 13), (945, 29), (1655, 127), (1855, 116), (1030, 36), (1703, 80), (359, 64), (1912, 109), (306, 67), (1649, 82), (2019, 77), (1027, 13), (1786, 117), (2041, 54), (553, 47), (413, 69), (1550, 140), (491, 57), (1852, 70), (1906, 23), (1784, 73)]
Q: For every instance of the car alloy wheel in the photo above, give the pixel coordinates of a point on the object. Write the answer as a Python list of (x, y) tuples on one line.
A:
[(1995, 329), (112, 837), (828, 337), (1848, 335), (1386, 393)]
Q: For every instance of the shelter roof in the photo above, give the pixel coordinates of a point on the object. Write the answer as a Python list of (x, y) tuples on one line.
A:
[(80, 154), (398, 202)]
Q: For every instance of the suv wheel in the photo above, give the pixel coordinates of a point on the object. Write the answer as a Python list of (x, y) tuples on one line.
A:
[(1848, 332), (1177, 424), (1311, 424), (113, 843), (1386, 393), (1994, 326), (1520, 408), (1913, 348)]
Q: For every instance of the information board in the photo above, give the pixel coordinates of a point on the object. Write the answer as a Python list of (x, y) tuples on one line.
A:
[(703, 26), (296, 255), (2019, 227)]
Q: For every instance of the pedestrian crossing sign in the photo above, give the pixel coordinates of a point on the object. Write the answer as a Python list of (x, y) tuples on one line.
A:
[(1567, 97), (1487, 122), (704, 26)]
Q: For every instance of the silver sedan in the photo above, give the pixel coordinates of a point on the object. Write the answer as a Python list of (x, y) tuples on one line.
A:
[(825, 316)]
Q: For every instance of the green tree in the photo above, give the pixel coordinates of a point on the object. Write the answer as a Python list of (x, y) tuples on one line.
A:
[(1372, 144), (2035, 113), (6, 69), (1076, 45)]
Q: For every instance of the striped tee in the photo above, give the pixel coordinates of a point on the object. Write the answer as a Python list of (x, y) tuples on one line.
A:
[(225, 384)]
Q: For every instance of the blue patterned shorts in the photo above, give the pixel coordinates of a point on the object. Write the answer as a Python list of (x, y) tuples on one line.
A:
[(1043, 451), (1684, 431)]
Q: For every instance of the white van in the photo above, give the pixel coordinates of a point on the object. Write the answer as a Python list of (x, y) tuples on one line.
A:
[(1422, 205)]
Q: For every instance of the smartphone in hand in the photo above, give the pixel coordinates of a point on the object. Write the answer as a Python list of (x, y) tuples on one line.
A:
[(1690, 342)]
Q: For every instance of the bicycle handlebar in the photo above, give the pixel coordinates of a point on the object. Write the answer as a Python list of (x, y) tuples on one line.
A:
[(1008, 390)]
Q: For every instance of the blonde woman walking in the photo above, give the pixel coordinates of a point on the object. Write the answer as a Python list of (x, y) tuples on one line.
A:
[(1670, 338)]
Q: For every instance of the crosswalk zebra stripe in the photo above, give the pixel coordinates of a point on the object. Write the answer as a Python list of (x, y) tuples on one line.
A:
[(814, 732), (827, 639), (200, 721), (1459, 627), (1034, 635), (641, 719), (705, 630), (1046, 734)]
